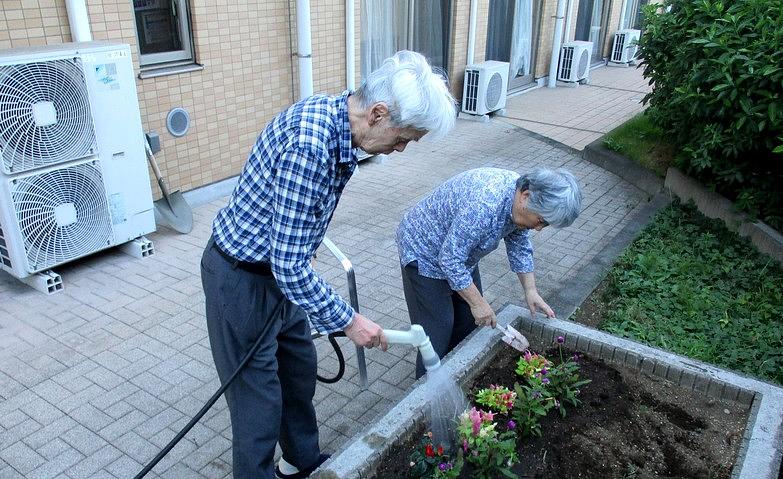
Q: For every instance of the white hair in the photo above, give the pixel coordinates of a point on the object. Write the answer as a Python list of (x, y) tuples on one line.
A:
[(555, 195), (417, 97)]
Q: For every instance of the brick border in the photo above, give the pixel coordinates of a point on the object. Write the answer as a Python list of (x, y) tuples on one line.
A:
[(759, 456)]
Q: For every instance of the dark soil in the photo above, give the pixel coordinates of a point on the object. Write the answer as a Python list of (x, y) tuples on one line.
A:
[(629, 426)]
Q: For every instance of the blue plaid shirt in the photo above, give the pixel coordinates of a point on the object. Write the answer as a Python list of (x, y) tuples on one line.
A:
[(463, 220), (285, 198)]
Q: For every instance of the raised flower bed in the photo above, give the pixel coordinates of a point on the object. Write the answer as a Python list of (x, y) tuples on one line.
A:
[(705, 392)]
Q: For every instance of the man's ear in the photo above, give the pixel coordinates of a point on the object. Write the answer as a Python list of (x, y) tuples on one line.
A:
[(378, 111)]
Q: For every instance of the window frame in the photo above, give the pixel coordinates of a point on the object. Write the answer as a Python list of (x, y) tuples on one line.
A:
[(184, 56)]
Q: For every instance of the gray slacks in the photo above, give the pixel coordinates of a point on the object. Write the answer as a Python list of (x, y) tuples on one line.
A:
[(444, 315), (272, 399)]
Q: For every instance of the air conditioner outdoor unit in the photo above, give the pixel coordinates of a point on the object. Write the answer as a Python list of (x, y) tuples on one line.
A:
[(73, 171), (575, 61), (625, 47), (484, 88)]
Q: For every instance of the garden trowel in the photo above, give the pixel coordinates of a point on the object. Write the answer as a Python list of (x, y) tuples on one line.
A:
[(514, 338)]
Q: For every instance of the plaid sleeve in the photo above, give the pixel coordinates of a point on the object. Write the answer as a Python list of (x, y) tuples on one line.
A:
[(300, 184), (520, 251)]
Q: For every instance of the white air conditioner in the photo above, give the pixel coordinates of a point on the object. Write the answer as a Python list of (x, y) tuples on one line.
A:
[(484, 88), (575, 61), (625, 47), (73, 171)]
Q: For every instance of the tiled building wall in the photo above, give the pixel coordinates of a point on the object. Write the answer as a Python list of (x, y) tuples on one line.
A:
[(249, 73)]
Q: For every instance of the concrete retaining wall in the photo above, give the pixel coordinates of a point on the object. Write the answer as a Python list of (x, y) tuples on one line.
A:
[(759, 456), (711, 204)]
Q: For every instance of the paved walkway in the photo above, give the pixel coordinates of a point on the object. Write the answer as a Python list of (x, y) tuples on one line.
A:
[(95, 379), (576, 116)]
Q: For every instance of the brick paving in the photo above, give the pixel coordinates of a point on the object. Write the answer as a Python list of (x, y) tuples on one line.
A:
[(95, 379), (576, 116)]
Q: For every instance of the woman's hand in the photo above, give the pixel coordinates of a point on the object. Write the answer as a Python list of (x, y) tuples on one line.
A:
[(483, 314), (534, 302)]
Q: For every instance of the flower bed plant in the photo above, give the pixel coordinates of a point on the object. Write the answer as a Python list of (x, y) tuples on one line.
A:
[(689, 285), (628, 426)]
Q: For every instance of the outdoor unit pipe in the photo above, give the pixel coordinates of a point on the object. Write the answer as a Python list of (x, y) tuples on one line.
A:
[(561, 5), (472, 30), (305, 48), (416, 337), (78, 20)]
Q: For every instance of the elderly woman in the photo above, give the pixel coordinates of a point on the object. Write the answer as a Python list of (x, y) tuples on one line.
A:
[(443, 237)]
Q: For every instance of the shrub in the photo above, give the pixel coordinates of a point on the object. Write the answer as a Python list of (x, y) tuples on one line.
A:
[(717, 70)]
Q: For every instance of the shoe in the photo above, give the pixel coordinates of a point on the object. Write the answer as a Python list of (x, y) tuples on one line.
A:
[(305, 472)]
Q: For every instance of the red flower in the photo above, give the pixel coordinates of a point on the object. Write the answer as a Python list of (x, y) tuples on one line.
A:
[(428, 451), (440, 450)]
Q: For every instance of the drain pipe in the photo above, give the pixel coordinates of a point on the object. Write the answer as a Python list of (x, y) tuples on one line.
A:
[(305, 48), (415, 337), (79, 20), (561, 6), (472, 30), (350, 56)]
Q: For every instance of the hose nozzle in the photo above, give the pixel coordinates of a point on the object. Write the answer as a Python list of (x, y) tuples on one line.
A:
[(415, 337)]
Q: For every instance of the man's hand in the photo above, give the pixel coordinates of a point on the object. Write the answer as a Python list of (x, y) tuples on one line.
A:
[(483, 314), (364, 332), (534, 301)]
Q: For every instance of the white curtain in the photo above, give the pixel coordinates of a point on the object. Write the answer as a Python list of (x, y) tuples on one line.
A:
[(384, 31), (522, 38)]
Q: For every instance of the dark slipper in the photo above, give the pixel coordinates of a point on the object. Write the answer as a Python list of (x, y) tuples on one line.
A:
[(304, 472)]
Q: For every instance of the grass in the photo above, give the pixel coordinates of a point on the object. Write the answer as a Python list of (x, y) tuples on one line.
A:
[(643, 142), (689, 285)]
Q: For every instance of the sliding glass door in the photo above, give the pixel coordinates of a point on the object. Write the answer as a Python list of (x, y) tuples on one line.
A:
[(387, 26), (511, 34), (589, 26)]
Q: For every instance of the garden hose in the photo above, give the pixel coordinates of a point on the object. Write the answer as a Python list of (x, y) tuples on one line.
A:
[(222, 389)]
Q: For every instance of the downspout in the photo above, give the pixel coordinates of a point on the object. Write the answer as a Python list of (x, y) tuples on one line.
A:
[(305, 48), (622, 14), (561, 6), (350, 60), (79, 20), (472, 30)]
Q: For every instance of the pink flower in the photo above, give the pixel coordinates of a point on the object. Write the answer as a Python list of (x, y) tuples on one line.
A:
[(464, 445)]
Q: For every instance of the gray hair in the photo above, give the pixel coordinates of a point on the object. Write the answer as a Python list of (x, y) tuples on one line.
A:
[(417, 97), (555, 195)]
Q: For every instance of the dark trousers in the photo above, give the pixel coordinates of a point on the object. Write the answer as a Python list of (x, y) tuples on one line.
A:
[(272, 399), (444, 315)]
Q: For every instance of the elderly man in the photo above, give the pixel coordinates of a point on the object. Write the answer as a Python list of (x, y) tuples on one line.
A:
[(443, 237), (256, 272)]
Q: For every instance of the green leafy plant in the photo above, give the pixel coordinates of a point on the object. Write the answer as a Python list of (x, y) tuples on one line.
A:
[(564, 381), (531, 406), (717, 71), (497, 398), (689, 285), (491, 453), (430, 461)]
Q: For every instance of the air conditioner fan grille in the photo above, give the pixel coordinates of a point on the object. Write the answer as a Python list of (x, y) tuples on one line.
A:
[(50, 236), (44, 114)]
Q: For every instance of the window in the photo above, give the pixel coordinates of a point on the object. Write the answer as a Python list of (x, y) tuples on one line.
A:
[(163, 30)]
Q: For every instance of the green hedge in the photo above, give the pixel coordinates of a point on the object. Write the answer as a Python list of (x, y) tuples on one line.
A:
[(717, 70)]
